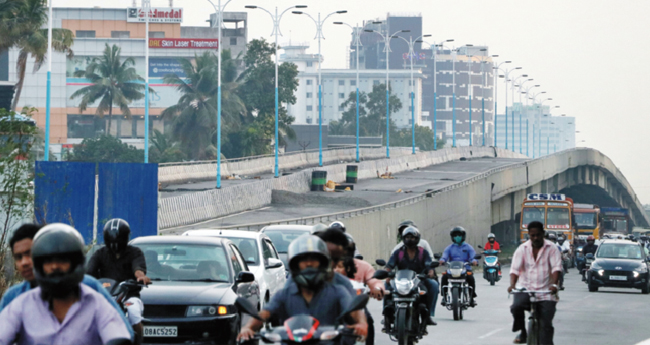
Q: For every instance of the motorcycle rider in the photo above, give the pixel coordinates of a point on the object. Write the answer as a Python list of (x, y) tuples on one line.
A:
[(338, 225), (21, 243), (565, 245), (400, 229), (309, 292), (61, 310), (552, 237), (590, 247), (120, 261), (415, 258), (459, 250), (492, 244)]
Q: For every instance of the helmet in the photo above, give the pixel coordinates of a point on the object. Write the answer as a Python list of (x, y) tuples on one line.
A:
[(62, 241), (403, 225), (309, 246), (116, 234), (319, 227), (337, 225), (551, 236), (456, 231), (491, 237), (411, 230), (560, 239), (591, 238)]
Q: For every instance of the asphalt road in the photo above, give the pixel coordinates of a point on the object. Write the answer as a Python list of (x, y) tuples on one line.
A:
[(610, 316), (374, 191)]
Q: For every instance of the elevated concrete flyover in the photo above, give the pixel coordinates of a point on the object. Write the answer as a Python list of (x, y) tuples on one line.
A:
[(482, 203)]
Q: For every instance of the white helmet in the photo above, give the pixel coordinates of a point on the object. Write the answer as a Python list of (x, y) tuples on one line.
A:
[(491, 235)]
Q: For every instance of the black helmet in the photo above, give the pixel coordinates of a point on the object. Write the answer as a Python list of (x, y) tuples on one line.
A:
[(338, 226), (403, 225), (309, 246), (457, 230), (411, 230), (64, 242), (116, 234), (552, 236), (561, 239)]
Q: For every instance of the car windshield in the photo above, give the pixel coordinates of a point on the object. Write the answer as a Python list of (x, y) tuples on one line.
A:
[(532, 214), (558, 218), (282, 238), (586, 220), (186, 262), (619, 251), (248, 248)]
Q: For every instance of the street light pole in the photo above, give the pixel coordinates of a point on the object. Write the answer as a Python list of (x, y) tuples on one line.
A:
[(146, 6), (512, 90), (48, 95), (319, 34), (527, 93), (483, 62), (507, 73), (497, 69), (276, 32), (357, 41)]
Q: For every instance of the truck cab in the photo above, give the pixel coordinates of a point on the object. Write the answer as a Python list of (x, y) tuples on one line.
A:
[(555, 211)]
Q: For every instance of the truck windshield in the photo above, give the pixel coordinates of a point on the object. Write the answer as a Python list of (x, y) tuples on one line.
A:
[(586, 220), (532, 214), (558, 218), (621, 225)]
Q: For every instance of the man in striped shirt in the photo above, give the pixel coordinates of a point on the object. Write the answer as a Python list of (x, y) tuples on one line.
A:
[(536, 266)]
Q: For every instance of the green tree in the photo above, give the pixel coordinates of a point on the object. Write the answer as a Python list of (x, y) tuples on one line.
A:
[(106, 149), (372, 113), (21, 27), (114, 82), (423, 138), (165, 149), (195, 115)]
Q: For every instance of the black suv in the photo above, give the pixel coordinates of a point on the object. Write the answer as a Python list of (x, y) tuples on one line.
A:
[(621, 264)]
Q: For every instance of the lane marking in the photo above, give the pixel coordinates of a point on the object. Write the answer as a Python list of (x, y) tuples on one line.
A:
[(491, 333), (645, 342)]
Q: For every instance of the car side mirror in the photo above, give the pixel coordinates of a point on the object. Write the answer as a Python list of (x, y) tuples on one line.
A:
[(380, 262), (647, 259), (245, 277), (589, 256), (380, 274), (274, 263), (437, 256)]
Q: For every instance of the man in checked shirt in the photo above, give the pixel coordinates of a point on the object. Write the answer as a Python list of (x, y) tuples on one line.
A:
[(536, 266)]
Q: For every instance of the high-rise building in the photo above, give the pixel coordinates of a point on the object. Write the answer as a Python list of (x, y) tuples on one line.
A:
[(373, 56)]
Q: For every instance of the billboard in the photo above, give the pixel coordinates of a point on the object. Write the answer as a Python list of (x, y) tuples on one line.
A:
[(158, 15), (183, 43), (160, 67)]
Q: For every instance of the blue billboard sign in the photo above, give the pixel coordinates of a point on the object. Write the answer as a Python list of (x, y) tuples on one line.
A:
[(160, 67)]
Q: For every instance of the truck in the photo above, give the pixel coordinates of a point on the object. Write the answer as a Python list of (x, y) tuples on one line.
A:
[(587, 220), (615, 220), (555, 211)]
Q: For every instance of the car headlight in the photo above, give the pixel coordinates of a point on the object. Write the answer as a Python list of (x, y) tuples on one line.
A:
[(207, 310), (641, 269), (404, 287), (601, 272)]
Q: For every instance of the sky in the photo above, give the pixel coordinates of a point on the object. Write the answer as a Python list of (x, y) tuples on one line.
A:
[(588, 55)]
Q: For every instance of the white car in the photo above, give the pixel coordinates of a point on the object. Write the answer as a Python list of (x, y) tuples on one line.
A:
[(260, 255), (282, 235)]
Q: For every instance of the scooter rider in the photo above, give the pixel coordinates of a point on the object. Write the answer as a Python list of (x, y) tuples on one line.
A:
[(61, 310), (459, 250), (309, 293), (415, 258), (492, 244), (590, 247), (565, 245), (120, 262)]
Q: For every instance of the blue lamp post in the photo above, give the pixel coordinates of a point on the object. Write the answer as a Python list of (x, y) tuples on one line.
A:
[(497, 70), (48, 94), (527, 93), (512, 90), (434, 50), (507, 72), (483, 62)]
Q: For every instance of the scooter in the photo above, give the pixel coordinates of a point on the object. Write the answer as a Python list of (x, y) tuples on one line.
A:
[(491, 266), (303, 329), (458, 292)]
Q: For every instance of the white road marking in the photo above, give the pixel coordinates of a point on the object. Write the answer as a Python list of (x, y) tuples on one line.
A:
[(645, 342), (491, 333)]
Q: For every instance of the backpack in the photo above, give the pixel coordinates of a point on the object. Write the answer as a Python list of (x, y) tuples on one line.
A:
[(400, 255)]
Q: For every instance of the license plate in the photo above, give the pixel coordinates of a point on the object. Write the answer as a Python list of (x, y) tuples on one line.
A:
[(618, 278), (160, 331)]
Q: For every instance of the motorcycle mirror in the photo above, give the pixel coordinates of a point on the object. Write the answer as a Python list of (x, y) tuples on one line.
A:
[(480, 246), (477, 256), (589, 256), (434, 264), (359, 302), (437, 256), (422, 276), (380, 274), (380, 262), (247, 307)]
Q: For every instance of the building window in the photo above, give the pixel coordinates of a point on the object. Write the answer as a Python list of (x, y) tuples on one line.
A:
[(156, 34), (233, 41), (341, 82), (310, 64), (309, 108), (120, 34), (308, 94), (341, 108), (309, 81), (85, 33), (353, 83), (375, 82), (410, 108), (341, 95)]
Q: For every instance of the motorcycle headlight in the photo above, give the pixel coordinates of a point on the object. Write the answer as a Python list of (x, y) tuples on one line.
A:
[(207, 310), (271, 337), (404, 287), (329, 335), (580, 249), (456, 272)]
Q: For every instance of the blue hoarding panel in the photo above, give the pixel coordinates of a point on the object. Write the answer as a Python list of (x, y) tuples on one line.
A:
[(64, 192), (128, 191)]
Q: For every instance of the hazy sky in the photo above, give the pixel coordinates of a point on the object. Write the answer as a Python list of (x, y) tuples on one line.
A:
[(590, 56)]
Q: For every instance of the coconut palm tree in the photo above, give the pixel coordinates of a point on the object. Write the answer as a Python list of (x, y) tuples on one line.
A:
[(21, 28), (195, 115), (114, 82)]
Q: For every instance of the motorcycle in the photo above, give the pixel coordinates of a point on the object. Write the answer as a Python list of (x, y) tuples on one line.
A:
[(406, 312), (122, 291), (491, 266), (589, 259), (303, 329), (458, 292)]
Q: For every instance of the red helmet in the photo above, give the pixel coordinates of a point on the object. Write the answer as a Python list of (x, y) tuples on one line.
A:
[(591, 238)]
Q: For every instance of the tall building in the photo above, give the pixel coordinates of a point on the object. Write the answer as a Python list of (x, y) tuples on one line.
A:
[(94, 28), (372, 55), (337, 84)]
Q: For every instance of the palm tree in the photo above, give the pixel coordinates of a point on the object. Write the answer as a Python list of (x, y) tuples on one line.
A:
[(195, 115), (114, 82), (21, 28)]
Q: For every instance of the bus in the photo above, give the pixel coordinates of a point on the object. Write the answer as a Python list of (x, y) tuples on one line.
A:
[(555, 211), (615, 219), (587, 220)]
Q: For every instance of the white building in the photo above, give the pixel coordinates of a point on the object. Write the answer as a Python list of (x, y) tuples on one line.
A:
[(337, 84)]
